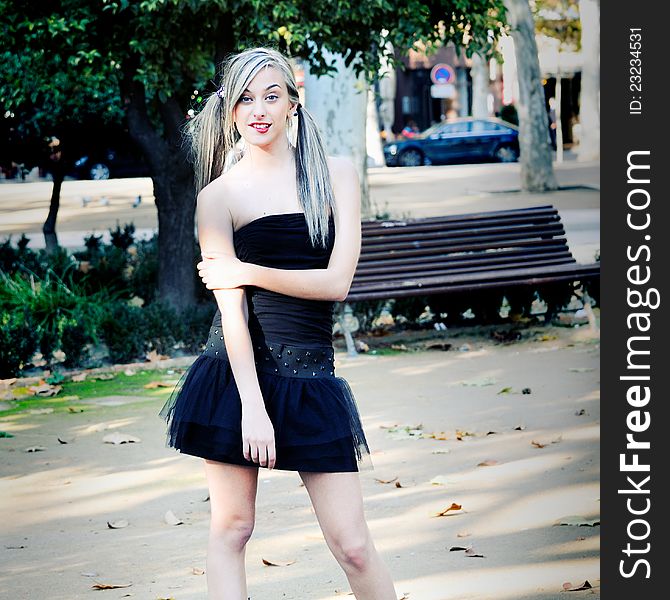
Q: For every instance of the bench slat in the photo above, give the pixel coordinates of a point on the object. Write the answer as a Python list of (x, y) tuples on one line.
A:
[(474, 258), (390, 251), (496, 237), (437, 269), (475, 281)]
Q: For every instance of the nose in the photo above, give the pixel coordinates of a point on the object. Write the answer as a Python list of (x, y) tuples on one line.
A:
[(259, 108)]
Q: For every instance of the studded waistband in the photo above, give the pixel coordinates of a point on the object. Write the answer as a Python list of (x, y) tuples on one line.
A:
[(281, 359)]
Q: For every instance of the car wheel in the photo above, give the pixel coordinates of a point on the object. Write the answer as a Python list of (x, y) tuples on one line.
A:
[(506, 154), (410, 158), (99, 171)]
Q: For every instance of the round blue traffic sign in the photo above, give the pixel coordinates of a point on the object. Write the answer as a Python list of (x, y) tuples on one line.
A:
[(442, 73)]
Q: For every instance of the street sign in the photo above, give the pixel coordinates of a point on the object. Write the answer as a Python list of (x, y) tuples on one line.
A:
[(445, 90), (442, 73)]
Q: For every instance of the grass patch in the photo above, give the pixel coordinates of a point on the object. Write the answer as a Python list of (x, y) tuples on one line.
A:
[(121, 385)]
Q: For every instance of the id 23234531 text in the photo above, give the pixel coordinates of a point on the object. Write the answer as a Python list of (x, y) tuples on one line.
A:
[(635, 71)]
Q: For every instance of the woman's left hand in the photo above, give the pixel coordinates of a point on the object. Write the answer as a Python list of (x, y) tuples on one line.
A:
[(222, 271)]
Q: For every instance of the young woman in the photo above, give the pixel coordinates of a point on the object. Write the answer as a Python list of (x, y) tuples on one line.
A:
[(280, 233)]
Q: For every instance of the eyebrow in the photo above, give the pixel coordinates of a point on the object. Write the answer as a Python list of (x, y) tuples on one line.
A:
[(266, 89)]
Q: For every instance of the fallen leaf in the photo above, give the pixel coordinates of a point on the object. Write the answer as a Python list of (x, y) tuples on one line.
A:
[(62, 441), (398, 484), (157, 384), (439, 480), (525, 391), (119, 524), (6, 383), (277, 563), (80, 377), (45, 390), (6, 434), (110, 586), (453, 507), (172, 519), (505, 390), (567, 587), (538, 444), (457, 549), (473, 554), (386, 480), (519, 428), (436, 435), (75, 409), (546, 337), (491, 432), (581, 412), (487, 463), (120, 438), (461, 434), (197, 571), (35, 449), (462, 534), (577, 521), (440, 452), (581, 369), (154, 356)]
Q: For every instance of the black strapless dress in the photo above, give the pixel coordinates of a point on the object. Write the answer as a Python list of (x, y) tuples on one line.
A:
[(313, 411)]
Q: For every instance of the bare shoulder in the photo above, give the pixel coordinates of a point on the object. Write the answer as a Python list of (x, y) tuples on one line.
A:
[(346, 185), (342, 169), (219, 193)]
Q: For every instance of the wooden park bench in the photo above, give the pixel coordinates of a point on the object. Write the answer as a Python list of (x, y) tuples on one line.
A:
[(468, 256)]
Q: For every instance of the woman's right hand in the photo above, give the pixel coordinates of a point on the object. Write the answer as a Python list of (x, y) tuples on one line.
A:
[(258, 435)]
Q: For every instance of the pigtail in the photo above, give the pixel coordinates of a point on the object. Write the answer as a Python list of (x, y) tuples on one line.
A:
[(315, 190)]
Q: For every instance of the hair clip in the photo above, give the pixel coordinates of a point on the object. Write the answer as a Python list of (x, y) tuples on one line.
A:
[(220, 92)]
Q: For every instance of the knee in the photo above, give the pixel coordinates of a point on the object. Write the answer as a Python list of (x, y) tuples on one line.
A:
[(355, 553), (231, 532)]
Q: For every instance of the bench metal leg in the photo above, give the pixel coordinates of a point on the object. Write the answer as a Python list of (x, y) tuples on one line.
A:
[(345, 318)]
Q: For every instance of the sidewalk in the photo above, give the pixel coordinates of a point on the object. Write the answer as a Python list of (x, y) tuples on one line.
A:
[(56, 503)]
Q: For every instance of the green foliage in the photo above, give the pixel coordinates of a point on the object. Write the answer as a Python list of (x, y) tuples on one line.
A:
[(559, 19), (19, 341)]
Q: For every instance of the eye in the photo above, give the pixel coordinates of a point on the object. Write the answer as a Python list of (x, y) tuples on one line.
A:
[(243, 98), (273, 97)]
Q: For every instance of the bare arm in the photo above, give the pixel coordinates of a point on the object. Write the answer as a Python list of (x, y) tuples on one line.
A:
[(215, 234), (222, 270)]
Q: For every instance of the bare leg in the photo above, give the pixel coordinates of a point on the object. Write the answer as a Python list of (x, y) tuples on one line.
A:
[(338, 503), (232, 496)]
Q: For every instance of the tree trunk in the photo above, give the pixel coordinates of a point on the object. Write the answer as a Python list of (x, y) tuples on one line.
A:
[(175, 201), (537, 173), (480, 87), (589, 104), (339, 105), (49, 227), (174, 193)]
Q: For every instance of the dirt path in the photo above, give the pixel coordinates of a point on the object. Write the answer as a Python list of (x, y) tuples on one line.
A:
[(56, 503)]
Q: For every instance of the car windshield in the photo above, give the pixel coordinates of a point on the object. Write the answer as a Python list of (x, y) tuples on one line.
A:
[(432, 129)]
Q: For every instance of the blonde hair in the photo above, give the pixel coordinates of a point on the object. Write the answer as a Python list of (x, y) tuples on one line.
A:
[(213, 137)]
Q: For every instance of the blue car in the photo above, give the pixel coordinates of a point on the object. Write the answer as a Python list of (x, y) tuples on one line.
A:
[(460, 140)]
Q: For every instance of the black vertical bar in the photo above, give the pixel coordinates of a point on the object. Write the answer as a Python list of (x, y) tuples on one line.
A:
[(635, 117)]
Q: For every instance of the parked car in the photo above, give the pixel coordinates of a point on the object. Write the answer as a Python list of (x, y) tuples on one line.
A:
[(106, 163), (460, 140)]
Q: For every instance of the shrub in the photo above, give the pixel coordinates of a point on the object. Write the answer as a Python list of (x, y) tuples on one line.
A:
[(19, 342)]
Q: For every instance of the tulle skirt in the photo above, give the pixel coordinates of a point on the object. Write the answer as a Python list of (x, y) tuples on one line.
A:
[(316, 422)]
